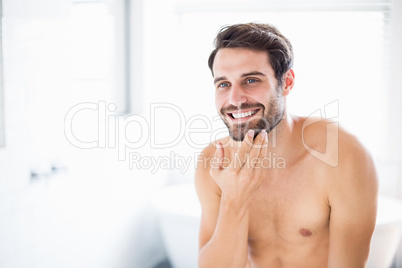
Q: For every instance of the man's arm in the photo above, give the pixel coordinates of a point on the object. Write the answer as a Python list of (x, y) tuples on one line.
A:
[(225, 194), (353, 202)]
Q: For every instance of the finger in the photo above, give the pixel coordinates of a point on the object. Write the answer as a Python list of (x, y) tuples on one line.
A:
[(264, 146), (241, 155), (216, 161), (258, 151)]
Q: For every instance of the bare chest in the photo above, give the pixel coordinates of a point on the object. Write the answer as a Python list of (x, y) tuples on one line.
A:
[(290, 209)]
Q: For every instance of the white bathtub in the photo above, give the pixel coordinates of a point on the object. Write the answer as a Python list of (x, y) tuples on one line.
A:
[(179, 214), (387, 233)]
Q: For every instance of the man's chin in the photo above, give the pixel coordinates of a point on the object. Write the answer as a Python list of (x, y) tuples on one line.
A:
[(236, 137), (238, 133), (239, 136)]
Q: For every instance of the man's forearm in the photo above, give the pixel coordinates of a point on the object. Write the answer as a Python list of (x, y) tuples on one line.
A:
[(228, 246)]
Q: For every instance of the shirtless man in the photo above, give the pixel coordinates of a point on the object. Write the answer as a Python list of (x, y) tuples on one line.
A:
[(307, 211)]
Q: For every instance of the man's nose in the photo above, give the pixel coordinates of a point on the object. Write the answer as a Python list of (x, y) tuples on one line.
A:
[(237, 96)]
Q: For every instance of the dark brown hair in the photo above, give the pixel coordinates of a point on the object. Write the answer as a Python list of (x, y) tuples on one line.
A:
[(260, 37)]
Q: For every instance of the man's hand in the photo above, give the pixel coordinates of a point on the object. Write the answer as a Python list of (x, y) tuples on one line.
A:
[(225, 217), (240, 179)]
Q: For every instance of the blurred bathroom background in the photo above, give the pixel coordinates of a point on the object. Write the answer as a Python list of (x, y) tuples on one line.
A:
[(104, 103)]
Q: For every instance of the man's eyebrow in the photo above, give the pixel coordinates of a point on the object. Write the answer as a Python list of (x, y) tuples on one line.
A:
[(253, 73), (217, 79)]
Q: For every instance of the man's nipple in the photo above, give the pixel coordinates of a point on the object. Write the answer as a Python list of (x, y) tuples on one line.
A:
[(305, 232)]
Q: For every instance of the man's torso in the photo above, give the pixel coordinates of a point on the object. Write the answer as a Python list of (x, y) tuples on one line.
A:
[(289, 217)]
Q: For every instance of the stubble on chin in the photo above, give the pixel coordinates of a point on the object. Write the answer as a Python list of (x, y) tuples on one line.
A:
[(238, 131)]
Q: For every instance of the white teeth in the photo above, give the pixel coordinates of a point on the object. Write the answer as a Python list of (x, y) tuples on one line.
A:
[(241, 115)]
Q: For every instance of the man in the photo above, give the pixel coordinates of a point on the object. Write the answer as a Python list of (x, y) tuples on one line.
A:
[(308, 211)]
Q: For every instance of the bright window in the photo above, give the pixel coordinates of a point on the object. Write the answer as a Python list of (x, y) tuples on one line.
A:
[(98, 52)]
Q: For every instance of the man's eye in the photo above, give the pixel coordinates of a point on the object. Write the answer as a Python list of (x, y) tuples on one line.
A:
[(223, 85), (251, 80)]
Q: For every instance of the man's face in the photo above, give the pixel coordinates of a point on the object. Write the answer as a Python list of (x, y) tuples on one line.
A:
[(247, 93)]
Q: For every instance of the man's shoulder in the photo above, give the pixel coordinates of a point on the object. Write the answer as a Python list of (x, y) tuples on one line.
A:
[(322, 135), (351, 160), (203, 179), (355, 161), (206, 157), (209, 151), (333, 145)]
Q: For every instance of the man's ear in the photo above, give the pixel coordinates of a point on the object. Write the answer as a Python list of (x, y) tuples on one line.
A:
[(289, 82)]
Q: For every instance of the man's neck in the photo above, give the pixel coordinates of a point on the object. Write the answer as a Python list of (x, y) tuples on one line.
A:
[(282, 140)]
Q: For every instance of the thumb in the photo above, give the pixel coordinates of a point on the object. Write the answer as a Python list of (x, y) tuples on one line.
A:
[(216, 162)]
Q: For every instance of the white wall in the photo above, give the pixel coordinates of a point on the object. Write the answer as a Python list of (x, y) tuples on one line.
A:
[(395, 90), (95, 211), (395, 99)]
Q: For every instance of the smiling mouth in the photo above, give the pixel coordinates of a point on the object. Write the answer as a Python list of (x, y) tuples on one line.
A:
[(243, 114)]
